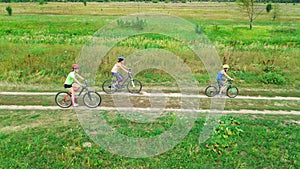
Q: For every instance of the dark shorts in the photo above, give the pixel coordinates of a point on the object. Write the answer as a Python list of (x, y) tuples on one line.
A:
[(67, 86), (118, 76), (221, 82)]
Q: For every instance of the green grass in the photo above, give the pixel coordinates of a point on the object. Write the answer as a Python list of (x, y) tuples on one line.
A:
[(38, 43), (55, 139)]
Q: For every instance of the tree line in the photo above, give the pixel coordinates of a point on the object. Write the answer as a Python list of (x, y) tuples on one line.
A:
[(154, 1)]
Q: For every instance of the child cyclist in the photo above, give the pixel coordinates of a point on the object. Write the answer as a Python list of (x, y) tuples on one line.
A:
[(71, 85), (115, 71), (221, 79)]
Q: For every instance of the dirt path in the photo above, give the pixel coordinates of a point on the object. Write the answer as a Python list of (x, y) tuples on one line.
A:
[(243, 111), (16, 107), (158, 95)]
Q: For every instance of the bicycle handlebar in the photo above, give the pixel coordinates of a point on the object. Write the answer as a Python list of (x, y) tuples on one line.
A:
[(84, 85)]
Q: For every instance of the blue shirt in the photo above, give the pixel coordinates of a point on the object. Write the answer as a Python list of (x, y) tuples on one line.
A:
[(220, 75)]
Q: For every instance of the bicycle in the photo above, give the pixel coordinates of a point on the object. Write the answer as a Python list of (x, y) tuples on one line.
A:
[(231, 91), (91, 99), (133, 85)]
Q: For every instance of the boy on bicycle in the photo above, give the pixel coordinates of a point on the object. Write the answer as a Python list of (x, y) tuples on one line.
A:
[(115, 71), (221, 79), (69, 83)]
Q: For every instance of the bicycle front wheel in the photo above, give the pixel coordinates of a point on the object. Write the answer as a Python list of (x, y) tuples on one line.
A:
[(134, 86), (92, 99), (63, 99), (211, 91), (232, 91), (107, 86)]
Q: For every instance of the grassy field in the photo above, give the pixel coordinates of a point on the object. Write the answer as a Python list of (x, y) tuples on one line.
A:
[(39, 42), (41, 139)]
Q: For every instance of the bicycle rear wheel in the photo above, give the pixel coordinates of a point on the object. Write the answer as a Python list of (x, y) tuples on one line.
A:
[(211, 91), (107, 86), (134, 86), (92, 99), (232, 91), (63, 99)]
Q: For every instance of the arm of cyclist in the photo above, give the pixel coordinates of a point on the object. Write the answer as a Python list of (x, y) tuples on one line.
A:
[(125, 68), (76, 81), (82, 78), (228, 76)]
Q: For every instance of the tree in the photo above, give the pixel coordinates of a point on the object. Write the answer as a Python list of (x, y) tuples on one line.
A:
[(269, 8), (251, 8), (9, 10)]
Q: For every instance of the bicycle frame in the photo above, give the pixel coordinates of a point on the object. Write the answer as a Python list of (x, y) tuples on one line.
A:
[(83, 88), (227, 84), (128, 76)]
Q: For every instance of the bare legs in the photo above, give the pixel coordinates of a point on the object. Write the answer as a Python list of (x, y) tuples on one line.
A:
[(75, 87)]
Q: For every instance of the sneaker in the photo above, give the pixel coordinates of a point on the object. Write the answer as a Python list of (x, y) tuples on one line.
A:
[(115, 86), (220, 95), (76, 105)]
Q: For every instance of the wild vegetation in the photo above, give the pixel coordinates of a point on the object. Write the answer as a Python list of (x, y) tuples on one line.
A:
[(40, 41), (36, 48), (55, 139)]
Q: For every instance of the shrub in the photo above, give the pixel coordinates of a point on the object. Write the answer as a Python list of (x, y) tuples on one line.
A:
[(272, 78), (84, 2), (269, 8), (225, 135), (272, 75), (9, 10), (137, 24), (41, 2)]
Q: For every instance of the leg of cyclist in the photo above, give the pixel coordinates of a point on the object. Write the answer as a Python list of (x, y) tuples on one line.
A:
[(73, 96), (221, 86), (72, 92), (119, 78), (76, 87)]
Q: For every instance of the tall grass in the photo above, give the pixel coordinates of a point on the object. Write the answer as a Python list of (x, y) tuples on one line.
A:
[(39, 48)]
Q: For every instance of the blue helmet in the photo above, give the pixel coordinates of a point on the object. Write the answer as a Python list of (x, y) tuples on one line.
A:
[(121, 58)]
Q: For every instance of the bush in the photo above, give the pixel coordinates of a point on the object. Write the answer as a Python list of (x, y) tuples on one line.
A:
[(272, 75), (41, 2), (272, 78), (269, 8), (9, 10), (137, 24), (225, 135)]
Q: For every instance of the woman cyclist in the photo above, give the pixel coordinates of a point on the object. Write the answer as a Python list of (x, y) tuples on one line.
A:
[(72, 84), (115, 71)]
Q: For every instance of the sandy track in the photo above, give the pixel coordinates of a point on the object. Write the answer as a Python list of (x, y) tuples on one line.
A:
[(157, 95), (243, 111), (135, 109)]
